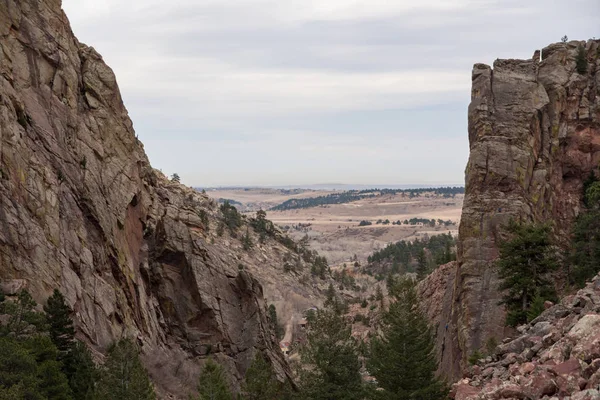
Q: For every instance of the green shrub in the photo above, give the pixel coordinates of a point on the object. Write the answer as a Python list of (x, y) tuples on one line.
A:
[(581, 60)]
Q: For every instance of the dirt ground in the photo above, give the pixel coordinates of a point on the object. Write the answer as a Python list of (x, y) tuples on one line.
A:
[(333, 230)]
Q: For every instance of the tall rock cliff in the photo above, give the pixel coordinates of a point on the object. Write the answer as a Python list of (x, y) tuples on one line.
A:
[(82, 210), (534, 133)]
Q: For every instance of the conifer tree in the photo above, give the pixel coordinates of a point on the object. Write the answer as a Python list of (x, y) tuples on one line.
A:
[(585, 255), (52, 382), (247, 243), (23, 319), (403, 358), (60, 325), (581, 62), (525, 261), (421, 264), (212, 384), (275, 326), (331, 359), (536, 308), (260, 381), (82, 372), (18, 371), (123, 376)]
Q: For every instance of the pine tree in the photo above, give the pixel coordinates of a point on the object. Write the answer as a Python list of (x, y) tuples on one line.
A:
[(247, 243), (260, 381), (60, 325), (212, 384), (18, 371), (379, 294), (52, 382), (331, 359), (175, 177), (81, 371), (23, 319), (585, 255), (403, 358), (123, 376), (275, 326), (536, 308), (421, 265), (581, 62), (524, 265)]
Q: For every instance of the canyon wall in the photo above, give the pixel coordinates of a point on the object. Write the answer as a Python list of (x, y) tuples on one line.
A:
[(81, 209), (534, 136)]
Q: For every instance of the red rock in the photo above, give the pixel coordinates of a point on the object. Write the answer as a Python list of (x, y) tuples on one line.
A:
[(548, 304), (463, 391), (567, 367), (512, 391), (526, 368), (539, 385)]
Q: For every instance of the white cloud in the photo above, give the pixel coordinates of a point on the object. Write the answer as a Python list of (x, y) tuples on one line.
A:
[(300, 83)]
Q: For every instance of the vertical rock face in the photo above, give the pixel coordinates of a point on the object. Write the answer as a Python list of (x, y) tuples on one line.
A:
[(534, 133), (82, 210)]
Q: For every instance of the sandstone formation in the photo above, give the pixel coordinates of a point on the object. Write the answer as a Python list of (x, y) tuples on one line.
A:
[(435, 294), (82, 210), (556, 356), (534, 133)]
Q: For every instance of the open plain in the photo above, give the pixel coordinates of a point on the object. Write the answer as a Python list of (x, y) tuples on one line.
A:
[(334, 231)]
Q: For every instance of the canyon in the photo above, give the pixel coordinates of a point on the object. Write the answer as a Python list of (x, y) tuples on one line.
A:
[(138, 255)]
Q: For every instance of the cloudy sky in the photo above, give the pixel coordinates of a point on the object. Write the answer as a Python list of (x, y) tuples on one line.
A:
[(277, 92)]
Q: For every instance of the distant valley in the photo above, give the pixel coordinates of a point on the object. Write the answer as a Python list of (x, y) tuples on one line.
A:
[(353, 228)]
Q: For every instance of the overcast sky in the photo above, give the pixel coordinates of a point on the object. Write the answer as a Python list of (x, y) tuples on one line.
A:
[(277, 92)]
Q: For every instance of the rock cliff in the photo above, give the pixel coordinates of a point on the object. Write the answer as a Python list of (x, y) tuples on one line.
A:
[(534, 133), (82, 210)]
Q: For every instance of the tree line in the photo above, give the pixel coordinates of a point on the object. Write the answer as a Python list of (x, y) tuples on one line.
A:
[(41, 359), (355, 195), (419, 255)]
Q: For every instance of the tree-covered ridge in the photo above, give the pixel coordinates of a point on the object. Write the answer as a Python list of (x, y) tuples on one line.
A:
[(354, 195), (420, 255)]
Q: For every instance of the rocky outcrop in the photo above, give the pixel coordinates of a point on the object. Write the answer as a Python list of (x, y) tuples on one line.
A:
[(534, 133), (435, 294), (82, 210), (556, 356)]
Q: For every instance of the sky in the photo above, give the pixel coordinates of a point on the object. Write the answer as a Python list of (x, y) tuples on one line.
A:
[(298, 92)]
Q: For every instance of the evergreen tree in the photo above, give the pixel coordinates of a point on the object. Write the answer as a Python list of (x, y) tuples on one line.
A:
[(175, 177), (524, 265), (331, 359), (23, 319), (403, 358), (247, 243), (585, 255), (60, 325), (81, 371), (123, 376), (536, 308), (332, 301), (379, 294), (421, 265), (275, 326), (18, 371), (581, 62), (52, 382), (260, 381), (212, 384)]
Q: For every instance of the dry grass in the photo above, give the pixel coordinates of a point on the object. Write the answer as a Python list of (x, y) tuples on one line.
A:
[(334, 230)]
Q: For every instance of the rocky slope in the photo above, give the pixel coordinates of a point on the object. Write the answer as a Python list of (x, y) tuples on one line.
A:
[(556, 356), (534, 133), (82, 210)]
